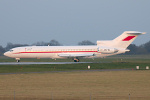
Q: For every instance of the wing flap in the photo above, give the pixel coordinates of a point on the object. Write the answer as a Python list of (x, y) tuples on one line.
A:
[(76, 55)]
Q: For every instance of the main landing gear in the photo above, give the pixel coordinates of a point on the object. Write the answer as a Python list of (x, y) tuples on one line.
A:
[(76, 60)]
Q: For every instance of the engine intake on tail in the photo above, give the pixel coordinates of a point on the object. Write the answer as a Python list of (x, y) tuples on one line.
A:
[(107, 50)]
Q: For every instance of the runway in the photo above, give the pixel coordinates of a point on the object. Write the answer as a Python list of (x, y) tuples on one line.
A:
[(40, 63)]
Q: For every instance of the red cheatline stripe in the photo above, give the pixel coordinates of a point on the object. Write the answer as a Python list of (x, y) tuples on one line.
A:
[(128, 38), (56, 52)]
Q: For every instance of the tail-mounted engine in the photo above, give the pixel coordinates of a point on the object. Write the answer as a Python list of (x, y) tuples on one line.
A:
[(107, 50)]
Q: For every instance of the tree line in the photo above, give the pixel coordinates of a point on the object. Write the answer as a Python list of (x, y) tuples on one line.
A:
[(134, 49)]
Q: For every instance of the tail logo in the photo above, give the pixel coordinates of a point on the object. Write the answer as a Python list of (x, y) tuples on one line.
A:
[(128, 38)]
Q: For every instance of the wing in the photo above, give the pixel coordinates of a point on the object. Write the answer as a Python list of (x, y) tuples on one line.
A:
[(76, 55)]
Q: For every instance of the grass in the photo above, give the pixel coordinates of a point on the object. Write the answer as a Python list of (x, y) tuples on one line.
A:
[(109, 85), (114, 62), (67, 67), (77, 85)]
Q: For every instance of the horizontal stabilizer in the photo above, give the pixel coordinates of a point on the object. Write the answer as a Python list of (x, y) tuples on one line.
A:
[(135, 32)]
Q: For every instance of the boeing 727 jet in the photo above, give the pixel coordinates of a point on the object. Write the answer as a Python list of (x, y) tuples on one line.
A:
[(102, 49)]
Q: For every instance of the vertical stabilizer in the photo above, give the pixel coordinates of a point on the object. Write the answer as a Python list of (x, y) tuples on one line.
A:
[(122, 41), (125, 39)]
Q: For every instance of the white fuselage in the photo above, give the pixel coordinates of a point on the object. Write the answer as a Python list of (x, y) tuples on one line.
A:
[(58, 52)]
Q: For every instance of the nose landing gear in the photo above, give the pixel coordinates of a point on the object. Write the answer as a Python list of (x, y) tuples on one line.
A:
[(18, 60)]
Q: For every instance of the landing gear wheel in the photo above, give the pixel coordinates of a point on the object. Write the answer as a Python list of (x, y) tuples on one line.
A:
[(18, 60), (76, 60)]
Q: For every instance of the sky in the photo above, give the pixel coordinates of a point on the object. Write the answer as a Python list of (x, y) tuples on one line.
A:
[(72, 21)]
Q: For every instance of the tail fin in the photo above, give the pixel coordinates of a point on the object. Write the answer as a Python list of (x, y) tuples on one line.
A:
[(122, 41)]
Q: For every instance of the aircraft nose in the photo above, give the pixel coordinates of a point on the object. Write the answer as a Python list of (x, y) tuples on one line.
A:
[(6, 54)]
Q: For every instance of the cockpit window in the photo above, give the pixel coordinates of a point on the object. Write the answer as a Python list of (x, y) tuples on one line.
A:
[(11, 50)]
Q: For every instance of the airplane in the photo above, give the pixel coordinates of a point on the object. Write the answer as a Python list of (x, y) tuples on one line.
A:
[(102, 49)]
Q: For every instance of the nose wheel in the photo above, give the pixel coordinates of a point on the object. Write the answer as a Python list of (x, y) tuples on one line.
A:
[(18, 60)]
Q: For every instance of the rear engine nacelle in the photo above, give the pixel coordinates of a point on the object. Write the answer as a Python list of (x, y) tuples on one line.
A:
[(107, 50)]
